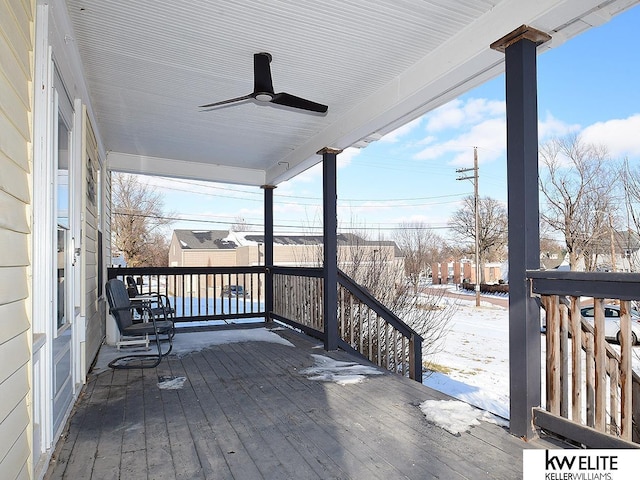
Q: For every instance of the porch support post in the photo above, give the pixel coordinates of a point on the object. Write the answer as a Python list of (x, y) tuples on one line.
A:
[(524, 240), (268, 250), (330, 223)]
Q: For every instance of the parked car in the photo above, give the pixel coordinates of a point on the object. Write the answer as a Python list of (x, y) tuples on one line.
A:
[(234, 291), (611, 322)]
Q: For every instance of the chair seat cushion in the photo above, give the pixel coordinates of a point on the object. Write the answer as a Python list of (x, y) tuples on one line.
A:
[(144, 328)]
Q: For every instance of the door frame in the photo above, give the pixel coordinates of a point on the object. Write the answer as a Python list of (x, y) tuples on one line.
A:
[(51, 54)]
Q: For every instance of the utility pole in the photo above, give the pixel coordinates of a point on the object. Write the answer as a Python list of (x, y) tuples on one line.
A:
[(476, 211), (613, 246)]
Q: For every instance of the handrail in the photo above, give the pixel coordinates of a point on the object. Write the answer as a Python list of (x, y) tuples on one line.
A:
[(114, 272), (315, 272), (620, 285), (370, 301)]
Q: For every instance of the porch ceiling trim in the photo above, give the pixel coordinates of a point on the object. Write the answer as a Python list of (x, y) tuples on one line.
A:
[(169, 167)]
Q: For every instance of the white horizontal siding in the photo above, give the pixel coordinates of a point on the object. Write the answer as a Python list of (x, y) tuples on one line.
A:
[(16, 48), (95, 328)]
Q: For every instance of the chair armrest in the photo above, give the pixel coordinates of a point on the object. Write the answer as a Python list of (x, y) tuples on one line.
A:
[(121, 309)]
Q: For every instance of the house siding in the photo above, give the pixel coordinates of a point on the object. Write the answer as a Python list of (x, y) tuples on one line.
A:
[(16, 75), (209, 258), (91, 305)]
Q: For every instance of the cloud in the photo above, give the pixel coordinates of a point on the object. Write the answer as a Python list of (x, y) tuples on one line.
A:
[(457, 113), (489, 136), (621, 136), (551, 127)]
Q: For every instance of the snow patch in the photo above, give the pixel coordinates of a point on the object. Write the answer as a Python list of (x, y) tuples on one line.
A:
[(327, 369), (171, 383), (455, 416), (186, 343)]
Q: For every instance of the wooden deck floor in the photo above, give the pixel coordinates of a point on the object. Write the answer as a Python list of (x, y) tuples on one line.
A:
[(245, 412)]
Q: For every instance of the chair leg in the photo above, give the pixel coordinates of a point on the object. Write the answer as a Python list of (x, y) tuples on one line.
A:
[(157, 358)]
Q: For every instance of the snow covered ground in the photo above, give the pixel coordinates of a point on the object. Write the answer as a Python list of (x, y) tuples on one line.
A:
[(476, 355)]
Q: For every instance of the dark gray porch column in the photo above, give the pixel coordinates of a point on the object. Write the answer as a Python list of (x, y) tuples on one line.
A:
[(268, 249), (524, 238), (330, 222)]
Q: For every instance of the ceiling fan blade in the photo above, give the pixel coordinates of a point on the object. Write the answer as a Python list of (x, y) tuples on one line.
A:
[(263, 89), (262, 82), (231, 100), (289, 100)]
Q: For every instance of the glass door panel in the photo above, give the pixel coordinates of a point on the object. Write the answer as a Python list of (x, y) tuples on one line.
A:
[(62, 342)]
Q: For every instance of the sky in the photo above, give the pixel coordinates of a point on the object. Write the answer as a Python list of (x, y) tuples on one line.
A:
[(588, 86)]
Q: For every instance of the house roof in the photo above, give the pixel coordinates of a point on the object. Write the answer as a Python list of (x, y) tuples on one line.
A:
[(204, 240), (149, 64), (223, 239), (627, 240)]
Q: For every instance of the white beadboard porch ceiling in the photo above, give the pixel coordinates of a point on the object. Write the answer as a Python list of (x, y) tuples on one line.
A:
[(377, 64)]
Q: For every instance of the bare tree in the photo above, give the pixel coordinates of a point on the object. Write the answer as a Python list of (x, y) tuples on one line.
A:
[(492, 230), (630, 178), (240, 225), (577, 186), (420, 246), (631, 182), (138, 222), (375, 265)]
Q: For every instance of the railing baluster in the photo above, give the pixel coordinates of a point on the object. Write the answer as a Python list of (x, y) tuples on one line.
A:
[(600, 365), (553, 355), (614, 382), (379, 337), (590, 381), (626, 382), (564, 361), (576, 364)]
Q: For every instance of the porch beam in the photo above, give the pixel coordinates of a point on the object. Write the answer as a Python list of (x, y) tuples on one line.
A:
[(330, 234), (268, 249), (523, 212)]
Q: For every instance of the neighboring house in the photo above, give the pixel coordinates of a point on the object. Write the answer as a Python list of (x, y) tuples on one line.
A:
[(552, 259), (624, 247), (222, 248), (201, 248)]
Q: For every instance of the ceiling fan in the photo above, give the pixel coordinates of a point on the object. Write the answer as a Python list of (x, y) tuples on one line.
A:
[(263, 89)]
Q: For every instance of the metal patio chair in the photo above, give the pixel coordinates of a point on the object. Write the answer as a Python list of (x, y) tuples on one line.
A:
[(157, 301), (155, 323)]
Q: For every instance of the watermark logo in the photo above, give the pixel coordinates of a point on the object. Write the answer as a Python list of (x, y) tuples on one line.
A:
[(580, 464)]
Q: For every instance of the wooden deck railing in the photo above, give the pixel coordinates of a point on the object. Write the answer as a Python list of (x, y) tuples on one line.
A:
[(199, 293), (365, 326), (590, 385)]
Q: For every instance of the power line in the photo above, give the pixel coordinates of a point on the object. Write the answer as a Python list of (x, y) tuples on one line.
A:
[(318, 199), (261, 225)]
